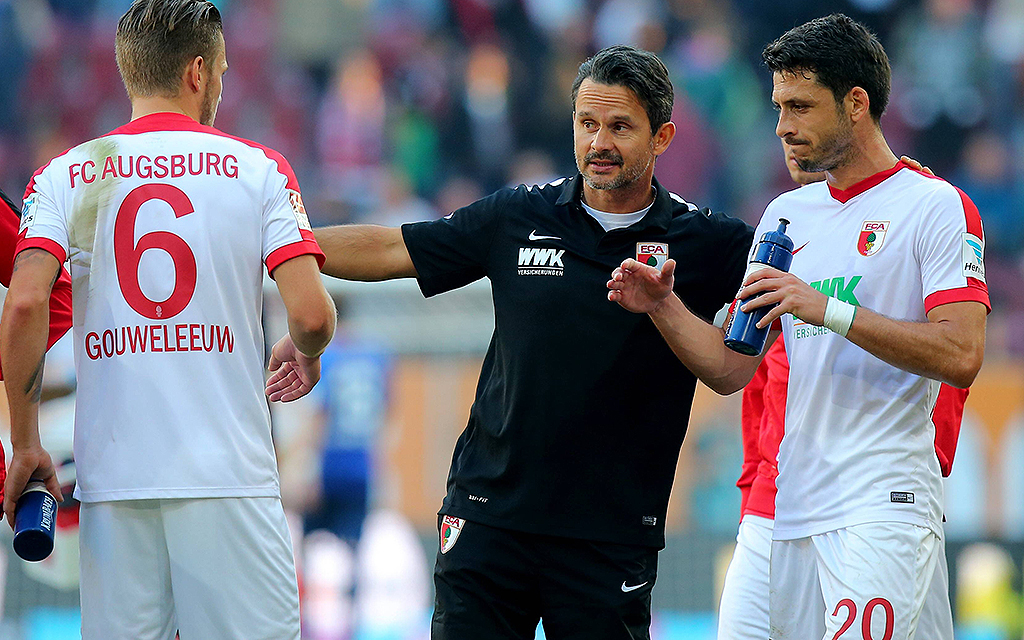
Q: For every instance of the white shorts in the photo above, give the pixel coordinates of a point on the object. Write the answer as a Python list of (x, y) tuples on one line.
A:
[(743, 610), (881, 580), (208, 568)]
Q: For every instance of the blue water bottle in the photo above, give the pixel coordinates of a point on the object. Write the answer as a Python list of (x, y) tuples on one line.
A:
[(774, 250), (35, 517)]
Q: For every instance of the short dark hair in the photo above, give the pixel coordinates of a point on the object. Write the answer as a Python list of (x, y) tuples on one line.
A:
[(157, 38), (841, 52), (640, 71)]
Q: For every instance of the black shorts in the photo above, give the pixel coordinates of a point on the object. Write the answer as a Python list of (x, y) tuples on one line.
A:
[(496, 584)]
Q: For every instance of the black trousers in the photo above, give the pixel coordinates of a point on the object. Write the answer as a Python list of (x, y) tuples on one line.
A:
[(496, 584)]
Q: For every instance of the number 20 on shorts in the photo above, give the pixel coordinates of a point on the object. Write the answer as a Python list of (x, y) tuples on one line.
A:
[(869, 610)]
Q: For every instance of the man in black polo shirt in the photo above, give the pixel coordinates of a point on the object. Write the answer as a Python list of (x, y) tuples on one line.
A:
[(559, 484)]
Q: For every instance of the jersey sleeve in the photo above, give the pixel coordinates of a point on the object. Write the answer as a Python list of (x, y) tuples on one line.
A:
[(43, 225), (286, 230), (453, 251), (951, 252)]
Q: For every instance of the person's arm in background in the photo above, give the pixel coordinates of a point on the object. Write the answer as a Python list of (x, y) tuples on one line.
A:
[(23, 345), (60, 295)]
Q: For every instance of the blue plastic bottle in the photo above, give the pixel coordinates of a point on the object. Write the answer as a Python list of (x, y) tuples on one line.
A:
[(774, 250), (35, 517)]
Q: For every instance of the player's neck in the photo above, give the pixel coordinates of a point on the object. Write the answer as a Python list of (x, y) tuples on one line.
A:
[(629, 199), (159, 104), (869, 156)]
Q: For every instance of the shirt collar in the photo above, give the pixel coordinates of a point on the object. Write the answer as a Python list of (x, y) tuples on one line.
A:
[(660, 215)]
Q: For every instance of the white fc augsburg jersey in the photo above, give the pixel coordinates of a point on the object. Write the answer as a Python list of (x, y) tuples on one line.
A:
[(860, 444), (168, 225)]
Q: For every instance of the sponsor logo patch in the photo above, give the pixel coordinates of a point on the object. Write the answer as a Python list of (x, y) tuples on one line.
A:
[(451, 527), (539, 261), (872, 234), (653, 254), (28, 213), (974, 256), (295, 198), (904, 497)]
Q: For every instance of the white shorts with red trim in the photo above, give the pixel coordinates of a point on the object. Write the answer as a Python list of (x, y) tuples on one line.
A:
[(874, 581)]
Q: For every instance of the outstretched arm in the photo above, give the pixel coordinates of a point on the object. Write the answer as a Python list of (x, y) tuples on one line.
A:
[(364, 252), (23, 345), (698, 345)]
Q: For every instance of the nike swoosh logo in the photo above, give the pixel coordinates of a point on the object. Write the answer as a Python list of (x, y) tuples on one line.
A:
[(797, 250), (534, 236), (626, 589)]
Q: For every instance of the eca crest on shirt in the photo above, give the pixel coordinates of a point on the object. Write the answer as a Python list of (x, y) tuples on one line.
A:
[(872, 235), (653, 254)]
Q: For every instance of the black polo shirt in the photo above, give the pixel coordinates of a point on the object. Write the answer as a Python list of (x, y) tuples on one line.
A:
[(581, 406)]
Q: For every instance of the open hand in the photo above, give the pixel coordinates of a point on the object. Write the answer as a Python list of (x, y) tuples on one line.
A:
[(641, 288), (294, 375)]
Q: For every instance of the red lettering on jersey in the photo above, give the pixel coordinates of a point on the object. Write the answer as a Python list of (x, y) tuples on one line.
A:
[(72, 173), (177, 166), (225, 338), (120, 167), (137, 338), (108, 346), (138, 168), (153, 335), (86, 179), (232, 170), (160, 163), (180, 337), (92, 345), (212, 343), (167, 343), (108, 167), (194, 331), (192, 170), (212, 163)]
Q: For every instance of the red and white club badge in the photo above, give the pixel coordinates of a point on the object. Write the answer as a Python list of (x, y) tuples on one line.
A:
[(872, 234), (450, 529), (653, 254)]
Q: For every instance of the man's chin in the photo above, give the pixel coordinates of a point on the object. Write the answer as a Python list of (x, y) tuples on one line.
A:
[(602, 182)]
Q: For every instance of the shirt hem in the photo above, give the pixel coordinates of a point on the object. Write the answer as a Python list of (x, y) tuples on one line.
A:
[(806, 531), (653, 540), (271, 491)]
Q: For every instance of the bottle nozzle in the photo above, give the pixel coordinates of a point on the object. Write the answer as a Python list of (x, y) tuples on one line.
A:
[(783, 223)]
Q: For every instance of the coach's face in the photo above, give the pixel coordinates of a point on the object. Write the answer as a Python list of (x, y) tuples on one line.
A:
[(614, 145), (816, 128)]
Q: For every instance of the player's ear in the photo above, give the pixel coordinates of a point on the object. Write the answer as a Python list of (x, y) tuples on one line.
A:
[(195, 72), (663, 137), (858, 104)]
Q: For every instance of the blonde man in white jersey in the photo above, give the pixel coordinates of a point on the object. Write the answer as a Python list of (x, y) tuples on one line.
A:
[(896, 304), (168, 224)]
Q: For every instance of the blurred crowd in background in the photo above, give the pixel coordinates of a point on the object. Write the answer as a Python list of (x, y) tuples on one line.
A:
[(393, 111)]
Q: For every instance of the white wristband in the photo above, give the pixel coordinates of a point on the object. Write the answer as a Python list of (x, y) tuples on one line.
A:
[(839, 316)]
